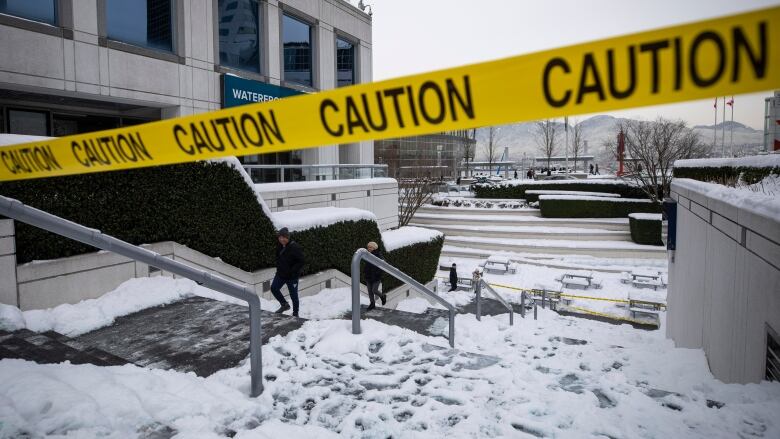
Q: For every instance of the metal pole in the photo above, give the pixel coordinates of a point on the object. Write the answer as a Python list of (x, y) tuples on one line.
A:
[(544, 296), (452, 328), (60, 226), (479, 299), (534, 310), (522, 304), (355, 273)]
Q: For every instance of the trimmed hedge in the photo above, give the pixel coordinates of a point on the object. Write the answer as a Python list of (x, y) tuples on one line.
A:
[(602, 208), (533, 198), (725, 174), (420, 261), (645, 231), (205, 206), (333, 246), (518, 191)]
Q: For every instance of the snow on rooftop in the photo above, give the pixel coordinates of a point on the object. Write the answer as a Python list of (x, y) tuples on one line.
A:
[(323, 184), (406, 236), (557, 192), (756, 202), (754, 161), (304, 219)]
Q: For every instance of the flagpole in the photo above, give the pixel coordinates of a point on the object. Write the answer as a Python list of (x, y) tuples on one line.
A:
[(715, 128), (723, 124), (566, 147), (731, 133)]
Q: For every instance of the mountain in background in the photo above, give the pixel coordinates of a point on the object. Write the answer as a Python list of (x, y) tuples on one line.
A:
[(596, 130)]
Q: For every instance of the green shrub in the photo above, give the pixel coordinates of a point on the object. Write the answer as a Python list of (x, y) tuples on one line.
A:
[(333, 246), (728, 175), (420, 261), (645, 231), (595, 208), (625, 190), (205, 206)]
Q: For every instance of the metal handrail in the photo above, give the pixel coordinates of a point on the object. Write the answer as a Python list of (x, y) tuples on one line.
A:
[(478, 288), (364, 255), (17, 210)]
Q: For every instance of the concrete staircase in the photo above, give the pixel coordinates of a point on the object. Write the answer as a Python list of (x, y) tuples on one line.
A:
[(479, 233)]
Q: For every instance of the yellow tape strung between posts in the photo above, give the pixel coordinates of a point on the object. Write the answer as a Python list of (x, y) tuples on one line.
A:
[(730, 55)]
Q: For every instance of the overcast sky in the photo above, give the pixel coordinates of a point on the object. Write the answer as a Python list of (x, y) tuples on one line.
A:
[(413, 36)]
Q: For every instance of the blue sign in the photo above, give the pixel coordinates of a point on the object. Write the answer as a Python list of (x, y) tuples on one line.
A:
[(239, 91)]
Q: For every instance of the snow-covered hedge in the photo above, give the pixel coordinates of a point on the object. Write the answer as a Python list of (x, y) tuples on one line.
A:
[(645, 228), (532, 196), (516, 190), (413, 250), (206, 206), (748, 170), (569, 206)]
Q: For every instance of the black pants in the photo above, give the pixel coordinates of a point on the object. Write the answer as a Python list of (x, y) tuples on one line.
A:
[(453, 285), (292, 286), (373, 288)]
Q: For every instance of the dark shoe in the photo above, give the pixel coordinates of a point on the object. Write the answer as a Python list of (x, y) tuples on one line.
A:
[(384, 298), (295, 314), (283, 308), (370, 307)]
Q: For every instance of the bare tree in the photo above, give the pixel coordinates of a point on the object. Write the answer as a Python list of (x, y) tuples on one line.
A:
[(469, 147), (491, 148), (578, 142), (651, 149), (545, 135), (413, 192)]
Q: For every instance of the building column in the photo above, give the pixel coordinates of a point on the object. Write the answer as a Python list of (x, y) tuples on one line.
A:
[(325, 72)]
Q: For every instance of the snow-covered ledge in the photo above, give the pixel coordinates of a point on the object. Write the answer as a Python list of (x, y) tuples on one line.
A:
[(724, 283)]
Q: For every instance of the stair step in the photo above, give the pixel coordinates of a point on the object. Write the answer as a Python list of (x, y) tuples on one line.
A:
[(51, 347), (531, 232), (614, 224)]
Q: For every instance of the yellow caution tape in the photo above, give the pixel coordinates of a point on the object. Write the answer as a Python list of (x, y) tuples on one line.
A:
[(609, 316), (729, 55)]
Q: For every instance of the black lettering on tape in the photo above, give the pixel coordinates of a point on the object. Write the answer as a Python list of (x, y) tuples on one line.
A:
[(555, 62), (696, 76)]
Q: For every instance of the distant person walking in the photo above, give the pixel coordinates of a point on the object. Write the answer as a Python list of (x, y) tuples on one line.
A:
[(453, 278), (373, 275), (597, 169), (289, 263), (515, 174), (529, 174), (591, 169)]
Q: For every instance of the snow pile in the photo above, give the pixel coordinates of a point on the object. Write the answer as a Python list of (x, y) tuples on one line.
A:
[(590, 198), (754, 161), (758, 203), (304, 219), (615, 182), (416, 305), (406, 236), (13, 139), (329, 304), (11, 319), (646, 216)]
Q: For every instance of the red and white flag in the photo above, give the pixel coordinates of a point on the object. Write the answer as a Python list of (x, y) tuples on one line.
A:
[(730, 102), (716, 103)]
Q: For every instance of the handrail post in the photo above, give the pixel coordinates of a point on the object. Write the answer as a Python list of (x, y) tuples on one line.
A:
[(522, 304), (355, 273), (452, 328), (478, 290), (255, 348)]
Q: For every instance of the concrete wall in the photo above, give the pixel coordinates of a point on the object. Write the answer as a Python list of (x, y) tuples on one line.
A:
[(724, 283), (8, 293), (76, 60), (377, 195)]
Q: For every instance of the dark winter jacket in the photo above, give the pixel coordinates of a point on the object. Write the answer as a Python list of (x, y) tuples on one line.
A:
[(289, 260), (371, 272), (453, 276)]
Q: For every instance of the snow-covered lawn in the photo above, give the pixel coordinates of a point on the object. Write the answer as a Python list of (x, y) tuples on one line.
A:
[(391, 382)]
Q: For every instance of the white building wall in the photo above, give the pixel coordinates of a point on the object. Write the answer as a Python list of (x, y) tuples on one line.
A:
[(724, 283)]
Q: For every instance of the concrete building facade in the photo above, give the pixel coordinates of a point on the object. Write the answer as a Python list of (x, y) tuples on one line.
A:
[(724, 284), (69, 67)]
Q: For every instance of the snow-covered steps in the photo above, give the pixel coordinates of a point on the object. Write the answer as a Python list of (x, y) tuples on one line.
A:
[(426, 219), (440, 210), (531, 232), (484, 247), (52, 348)]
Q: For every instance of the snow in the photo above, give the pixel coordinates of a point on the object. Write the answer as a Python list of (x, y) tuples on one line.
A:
[(590, 198), (758, 203), (497, 219), (304, 219), (529, 229), (565, 182), (13, 139), (554, 192), (323, 184), (322, 380), (329, 304), (754, 161), (11, 319), (416, 305), (406, 236), (499, 242), (646, 216)]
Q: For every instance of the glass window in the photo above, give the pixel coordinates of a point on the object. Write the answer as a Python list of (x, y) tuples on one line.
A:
[(33, 123), (44, 11), (345, 62), (296, 37), (147, 23), (239, 34)]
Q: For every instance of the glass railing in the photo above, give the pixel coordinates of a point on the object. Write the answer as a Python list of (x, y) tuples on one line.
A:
[(293, 173)]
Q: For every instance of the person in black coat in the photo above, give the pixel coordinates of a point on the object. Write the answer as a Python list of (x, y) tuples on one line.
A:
[(453, 278), (373, 276), (289, 263)]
